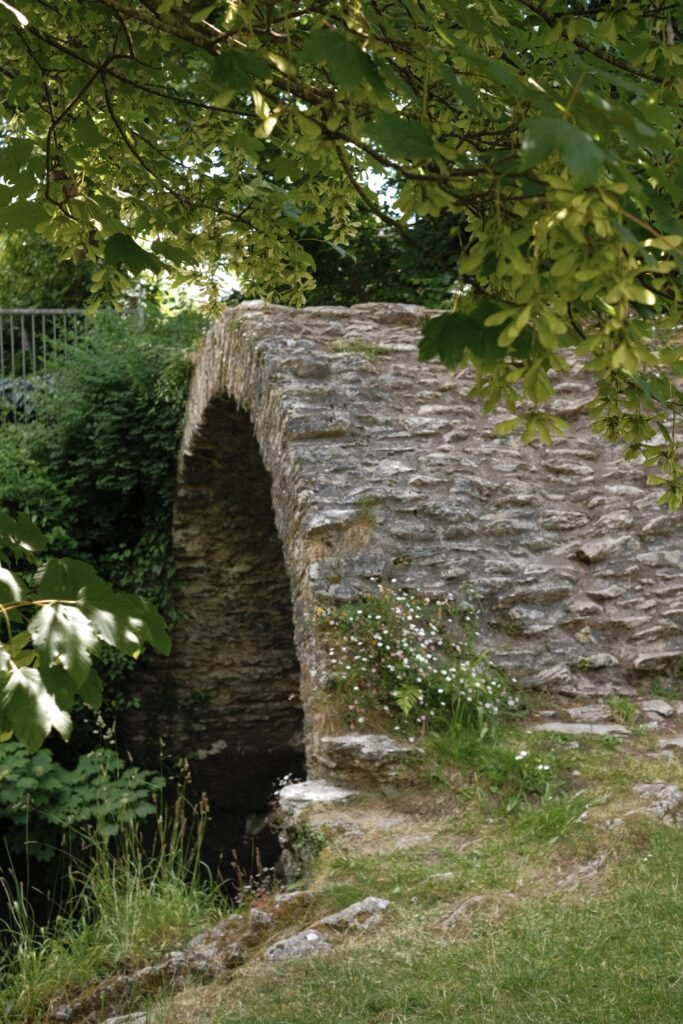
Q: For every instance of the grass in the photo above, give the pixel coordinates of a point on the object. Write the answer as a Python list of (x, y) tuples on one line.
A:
[(540, 944), (535, 955), (565, 960), (545, 936), (623, 710), (360, 347), (124, 908)]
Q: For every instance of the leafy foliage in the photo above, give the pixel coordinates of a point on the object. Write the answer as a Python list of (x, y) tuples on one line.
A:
[(96, 468), (383, 264), (415, 659), (190, 139), (124, 904), (41, 802), (54, 620), (31, 274)]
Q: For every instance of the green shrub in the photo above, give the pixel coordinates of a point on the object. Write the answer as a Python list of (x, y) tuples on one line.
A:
[(43, 803), (32, 274), (96, 468)]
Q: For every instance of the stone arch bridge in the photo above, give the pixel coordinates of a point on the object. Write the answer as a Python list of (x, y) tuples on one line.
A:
[(320, 457)]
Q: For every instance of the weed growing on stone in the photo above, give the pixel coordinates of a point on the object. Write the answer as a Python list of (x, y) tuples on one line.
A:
[(359, 346), (623, 710), (414, 660)]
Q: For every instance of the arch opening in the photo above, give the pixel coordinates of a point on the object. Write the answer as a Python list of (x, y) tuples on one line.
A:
[(235, 666)]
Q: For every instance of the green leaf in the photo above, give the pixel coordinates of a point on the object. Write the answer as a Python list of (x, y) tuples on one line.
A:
[(60, 684), (120, 248), (91, 690), (348, 64), (507, 427), (87, 133), (123, 620), (15, 154), (23, 215), (443, 338), (540, 138), (66, 637), (173, 253), (583, 157), (400, 137), (20, 534), (451, 335), (10, 587), (64, 578), (28, 710), (203, 13), (154, 629), (238, 69)]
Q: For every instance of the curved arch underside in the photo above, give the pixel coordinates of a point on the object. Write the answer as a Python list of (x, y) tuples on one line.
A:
[(235, 666)]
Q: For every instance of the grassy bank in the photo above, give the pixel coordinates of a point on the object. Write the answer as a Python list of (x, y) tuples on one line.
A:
[(565, 910)]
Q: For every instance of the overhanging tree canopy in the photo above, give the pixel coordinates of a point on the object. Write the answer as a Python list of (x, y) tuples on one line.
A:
[(152, 133)]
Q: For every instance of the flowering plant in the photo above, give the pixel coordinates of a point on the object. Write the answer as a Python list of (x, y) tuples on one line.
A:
[(400, 653)]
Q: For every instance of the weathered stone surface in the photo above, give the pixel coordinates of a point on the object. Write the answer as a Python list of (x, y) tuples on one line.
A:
[(657, 707), (590, 713), (455, 917), (582, 873), (361, 916), (665, 802), (357, 756), (259, 921), (293, 900), (128, 1018), (309, 473), (320, 937), (658, 660), (580, 728), (206, 957), (299, 796), (304, 944), (671, 743)]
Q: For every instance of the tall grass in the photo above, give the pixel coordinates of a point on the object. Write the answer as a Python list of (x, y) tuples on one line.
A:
[(124, 906)]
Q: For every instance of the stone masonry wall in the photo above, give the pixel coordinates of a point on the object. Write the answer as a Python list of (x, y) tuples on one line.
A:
[(367, 466)]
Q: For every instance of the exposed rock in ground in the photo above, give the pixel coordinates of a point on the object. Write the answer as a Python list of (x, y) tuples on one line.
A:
[(356, 757), (451, 920), (361, 916), (580, 728), (300, 796), (214, 953), (321, 936), (590, 713), (657, 707), (582, 873), (306, 943), (671, 743), (128, 1018), (665, 801), (206, 957)]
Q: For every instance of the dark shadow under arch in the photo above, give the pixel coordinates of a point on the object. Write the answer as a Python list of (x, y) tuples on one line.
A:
[(234, 664)]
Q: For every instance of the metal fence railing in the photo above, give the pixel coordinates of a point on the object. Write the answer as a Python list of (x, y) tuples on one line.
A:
[(33, 342)]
